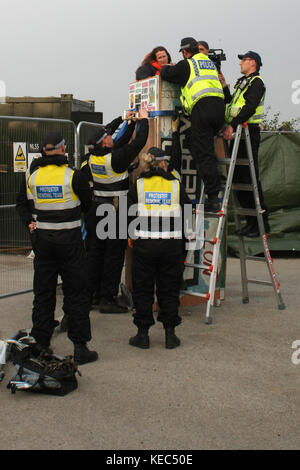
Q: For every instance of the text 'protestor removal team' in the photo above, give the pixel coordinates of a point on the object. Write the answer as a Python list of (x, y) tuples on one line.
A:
[(149, 209)]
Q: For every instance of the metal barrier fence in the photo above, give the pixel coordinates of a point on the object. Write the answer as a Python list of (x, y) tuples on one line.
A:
[(19, 134), (84, 132), (19, 139)]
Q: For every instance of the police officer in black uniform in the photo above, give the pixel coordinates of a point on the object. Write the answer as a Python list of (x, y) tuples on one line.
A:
[(206, 104), (57, 194), (252, 89), (158, 247), (106, 166)]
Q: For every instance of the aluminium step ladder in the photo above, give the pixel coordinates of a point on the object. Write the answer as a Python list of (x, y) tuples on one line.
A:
[(231, 188)]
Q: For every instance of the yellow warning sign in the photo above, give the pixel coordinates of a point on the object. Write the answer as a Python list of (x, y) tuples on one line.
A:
[(20, 156)]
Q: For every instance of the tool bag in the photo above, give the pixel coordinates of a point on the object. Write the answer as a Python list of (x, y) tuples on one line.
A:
[(46, 373)]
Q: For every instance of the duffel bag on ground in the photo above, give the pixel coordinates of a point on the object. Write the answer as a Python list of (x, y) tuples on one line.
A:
[(46, 373)]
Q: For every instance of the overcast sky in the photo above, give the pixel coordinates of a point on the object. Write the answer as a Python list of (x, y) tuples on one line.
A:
[(91, 48)]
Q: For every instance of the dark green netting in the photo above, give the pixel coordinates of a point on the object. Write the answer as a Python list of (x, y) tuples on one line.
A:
[(279, 166)]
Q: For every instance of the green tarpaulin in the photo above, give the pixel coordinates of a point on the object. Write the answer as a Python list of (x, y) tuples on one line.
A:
[(279, 166)]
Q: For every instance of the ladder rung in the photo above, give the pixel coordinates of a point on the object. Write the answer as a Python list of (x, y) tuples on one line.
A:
[(227, 161), (256, 258), (199, 266), (197, 294), (242, 187), (242, 211), (230, 162), (223, 161), (242, 162), (212, 214), (208, 240), (257, 281)]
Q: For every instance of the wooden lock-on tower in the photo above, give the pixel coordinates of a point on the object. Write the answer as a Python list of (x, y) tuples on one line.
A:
[(162, 99)]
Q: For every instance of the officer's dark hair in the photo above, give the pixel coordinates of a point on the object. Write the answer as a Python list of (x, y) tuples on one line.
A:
[(192, 49), (203, 43)]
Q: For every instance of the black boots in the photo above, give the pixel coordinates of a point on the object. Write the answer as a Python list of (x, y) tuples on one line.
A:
[(83, 355), (211, 204), (171, 339), (39, 349), (251, 229), (141, 340)]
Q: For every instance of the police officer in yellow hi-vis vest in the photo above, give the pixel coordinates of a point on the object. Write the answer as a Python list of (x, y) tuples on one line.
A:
[(158, 246), (246, 105), (203, 99), (50, 203), (106, 166)]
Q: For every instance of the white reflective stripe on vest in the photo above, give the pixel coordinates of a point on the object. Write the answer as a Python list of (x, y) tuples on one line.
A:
[(111, 193), (202, 77), (28, 190), (257, 116), (143, 211), (176, 174), (207, 90), (58, 225), (113, 177), (156, 235)]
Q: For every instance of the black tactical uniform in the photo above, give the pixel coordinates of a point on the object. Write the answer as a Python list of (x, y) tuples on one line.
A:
[(207, 118), (106, 168), (58, 194), (253, 95), (158, 255)]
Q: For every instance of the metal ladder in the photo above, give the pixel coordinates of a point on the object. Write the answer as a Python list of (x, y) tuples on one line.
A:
[(231, 188)]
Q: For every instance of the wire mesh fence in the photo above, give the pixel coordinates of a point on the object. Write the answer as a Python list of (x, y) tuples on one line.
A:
[(20, 139)]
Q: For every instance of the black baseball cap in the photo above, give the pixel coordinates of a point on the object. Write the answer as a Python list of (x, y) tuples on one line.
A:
[(251, 55), (159, 154), (187, 42), (55, 139), (98, 135)]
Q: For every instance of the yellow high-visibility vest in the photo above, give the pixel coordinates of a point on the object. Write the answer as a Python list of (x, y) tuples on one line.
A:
[(50, 188), (238, 101), (203, 81), (159, 208), (175, 173), (107, 183)]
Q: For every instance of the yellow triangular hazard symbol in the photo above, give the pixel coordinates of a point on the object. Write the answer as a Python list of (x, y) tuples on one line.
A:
[(20, 154)]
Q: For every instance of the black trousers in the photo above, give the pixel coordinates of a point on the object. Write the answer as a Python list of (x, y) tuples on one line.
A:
[(160, 263), (242, 175), (69, 261), (105, 258), (207, 119)]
